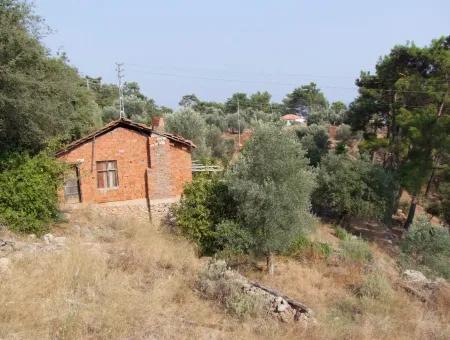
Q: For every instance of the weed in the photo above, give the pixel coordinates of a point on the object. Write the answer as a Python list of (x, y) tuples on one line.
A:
[(355, 249)]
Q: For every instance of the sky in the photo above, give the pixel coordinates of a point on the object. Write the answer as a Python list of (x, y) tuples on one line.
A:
[(215, 48)]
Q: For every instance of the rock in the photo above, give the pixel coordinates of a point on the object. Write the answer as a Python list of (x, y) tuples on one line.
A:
[(48, 238), (416, 277), (4, 265), (280, 304), (32, 236)]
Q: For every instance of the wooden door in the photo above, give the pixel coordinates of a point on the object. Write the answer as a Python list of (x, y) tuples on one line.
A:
[(72, 192)]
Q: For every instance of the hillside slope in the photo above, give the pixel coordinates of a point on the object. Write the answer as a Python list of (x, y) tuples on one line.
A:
[(104, 278)]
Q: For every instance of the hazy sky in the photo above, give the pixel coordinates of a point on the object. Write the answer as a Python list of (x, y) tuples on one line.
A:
[(215, 48)]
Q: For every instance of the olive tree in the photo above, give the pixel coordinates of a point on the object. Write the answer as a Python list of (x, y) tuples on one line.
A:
[(272, 184)]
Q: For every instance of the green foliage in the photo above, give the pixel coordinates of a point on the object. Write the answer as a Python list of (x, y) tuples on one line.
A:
[(408, 94), (306, 99), (41, 96), (341, 149), (342, 234), (271, 184), (206, 202), (356, 250), (314, 139), (376, 286), (221, 148), (428, 245), (229, 235), (357, 188), (191, 125), (28, 192), (344, 133), (303, 247)]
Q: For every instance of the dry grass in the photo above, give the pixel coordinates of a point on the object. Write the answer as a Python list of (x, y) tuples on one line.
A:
[(126, 279)]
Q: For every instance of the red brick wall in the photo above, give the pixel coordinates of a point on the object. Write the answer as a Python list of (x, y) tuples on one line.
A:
[(170, 166)]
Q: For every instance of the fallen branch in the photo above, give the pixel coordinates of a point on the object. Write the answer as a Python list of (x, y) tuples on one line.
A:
[(293, 303)]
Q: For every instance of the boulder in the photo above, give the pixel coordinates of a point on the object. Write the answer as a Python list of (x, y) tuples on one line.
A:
[(415, 277)]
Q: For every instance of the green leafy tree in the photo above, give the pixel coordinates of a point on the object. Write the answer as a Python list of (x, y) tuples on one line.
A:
[(271, 184), (40, 96), (189, 101), (231, 105), (305, 100), (408, 95), (314, 139), (261, 101), (353, 188), (191, 125)]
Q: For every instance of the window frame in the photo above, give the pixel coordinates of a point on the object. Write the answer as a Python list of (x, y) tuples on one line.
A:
[(106, 178)]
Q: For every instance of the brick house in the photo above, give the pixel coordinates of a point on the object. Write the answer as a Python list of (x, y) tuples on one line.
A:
[(126, 162)]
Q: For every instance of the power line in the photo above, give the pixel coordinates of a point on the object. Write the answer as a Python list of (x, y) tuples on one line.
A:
[(309, 76), (246, 81), (120, 75)]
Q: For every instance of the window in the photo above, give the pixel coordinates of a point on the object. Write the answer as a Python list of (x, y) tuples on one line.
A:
[(107, 175)]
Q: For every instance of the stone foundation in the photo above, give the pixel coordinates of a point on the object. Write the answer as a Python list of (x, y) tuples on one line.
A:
[(158, 211)]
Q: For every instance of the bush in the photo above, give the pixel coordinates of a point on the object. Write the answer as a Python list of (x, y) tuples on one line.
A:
[(344, 133), (314, 139), (427, 245), (357, 250), (204, 205), (28, 192), (376, 286), (353, 188)]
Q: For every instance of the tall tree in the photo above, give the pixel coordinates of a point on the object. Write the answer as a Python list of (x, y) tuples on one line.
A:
[(306, 99), (40, 96), (188, 101), (409, 94)]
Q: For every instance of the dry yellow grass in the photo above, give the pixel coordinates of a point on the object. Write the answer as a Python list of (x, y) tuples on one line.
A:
[(130, 280)]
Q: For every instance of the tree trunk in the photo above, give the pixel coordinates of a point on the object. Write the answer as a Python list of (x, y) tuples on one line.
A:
[(412, 211), (397, 200), (430, 181), (270, 264)]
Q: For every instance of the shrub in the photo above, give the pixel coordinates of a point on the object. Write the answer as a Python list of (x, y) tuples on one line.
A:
[(344, 133), (357, 250), (376, 286), (205, 203), (353, 188), (28, 192), (428, 245), (314, 139), (228, 235)]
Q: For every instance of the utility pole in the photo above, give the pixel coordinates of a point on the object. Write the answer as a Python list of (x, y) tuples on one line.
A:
[(119, 69), (239, 124)]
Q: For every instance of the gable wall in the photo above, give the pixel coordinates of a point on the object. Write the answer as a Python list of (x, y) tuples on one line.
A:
[(160, 176)]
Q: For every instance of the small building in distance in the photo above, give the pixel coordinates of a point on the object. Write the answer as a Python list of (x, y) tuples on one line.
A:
[(293, 119), (126, 163)]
